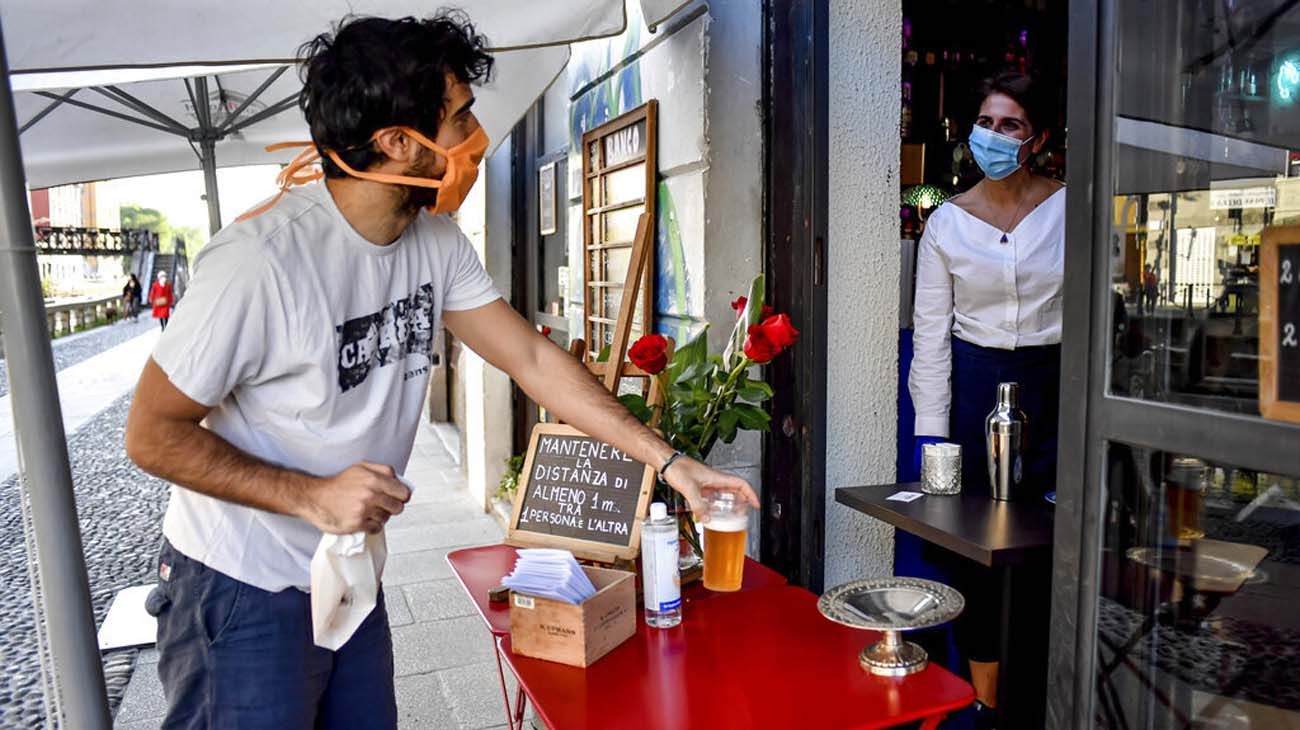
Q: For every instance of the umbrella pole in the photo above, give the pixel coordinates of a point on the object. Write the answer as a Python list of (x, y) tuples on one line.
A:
[(41, 443), (208, 158), (207, 139)]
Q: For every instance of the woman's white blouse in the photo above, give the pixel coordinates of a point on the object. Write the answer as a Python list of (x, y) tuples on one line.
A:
[(989, 293)]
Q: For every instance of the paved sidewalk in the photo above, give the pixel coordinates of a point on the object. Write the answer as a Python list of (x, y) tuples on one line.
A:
[(72, 349), (446, 676), (85, 389)]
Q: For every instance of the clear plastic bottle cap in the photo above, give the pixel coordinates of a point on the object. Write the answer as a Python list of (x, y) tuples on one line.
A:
[(658, 511)]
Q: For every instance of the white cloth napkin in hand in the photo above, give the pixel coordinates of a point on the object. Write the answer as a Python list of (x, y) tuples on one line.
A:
[(345, 575)]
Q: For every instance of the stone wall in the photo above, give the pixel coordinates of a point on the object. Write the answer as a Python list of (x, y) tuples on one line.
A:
[(863, 271)]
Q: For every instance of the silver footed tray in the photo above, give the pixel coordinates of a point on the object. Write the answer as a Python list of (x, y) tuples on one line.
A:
[(892, 605)]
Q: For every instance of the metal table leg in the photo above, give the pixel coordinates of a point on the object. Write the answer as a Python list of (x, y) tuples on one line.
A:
[(932, 722), (505, 693)]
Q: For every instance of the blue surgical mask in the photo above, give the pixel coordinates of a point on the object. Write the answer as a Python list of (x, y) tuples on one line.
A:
[(997, 154)]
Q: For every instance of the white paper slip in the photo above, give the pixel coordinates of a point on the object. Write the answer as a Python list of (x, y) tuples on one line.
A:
[(904, 497), (551, 574)]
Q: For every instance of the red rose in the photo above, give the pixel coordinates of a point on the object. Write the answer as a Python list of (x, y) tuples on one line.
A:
[(767, 340), (546, 331), (759, 346), (739, 306), (650, 353), (780, 330)]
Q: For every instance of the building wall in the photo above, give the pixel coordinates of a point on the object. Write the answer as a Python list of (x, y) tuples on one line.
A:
[(66, 206), (482, 404), (608, 77), (863, 275), (40, 205)]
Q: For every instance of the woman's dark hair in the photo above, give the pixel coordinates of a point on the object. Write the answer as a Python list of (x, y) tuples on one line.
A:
[(371, 73), (1039, 107)]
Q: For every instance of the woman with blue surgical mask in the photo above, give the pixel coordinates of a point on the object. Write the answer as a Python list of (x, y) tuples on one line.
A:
[(988, 310)]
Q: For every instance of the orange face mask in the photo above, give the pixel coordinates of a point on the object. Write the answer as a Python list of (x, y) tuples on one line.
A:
[(459, 177)]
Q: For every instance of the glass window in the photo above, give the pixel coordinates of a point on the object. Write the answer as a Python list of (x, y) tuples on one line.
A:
[(1197, 621), (1207, 133)]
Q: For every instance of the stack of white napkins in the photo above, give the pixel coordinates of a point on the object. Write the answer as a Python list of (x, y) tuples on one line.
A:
[(548, 573)]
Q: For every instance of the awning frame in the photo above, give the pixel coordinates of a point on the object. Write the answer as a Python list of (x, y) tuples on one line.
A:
[(202, 138)]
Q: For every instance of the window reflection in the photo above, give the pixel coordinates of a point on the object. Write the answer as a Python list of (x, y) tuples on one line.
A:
[(1207, 156), (1197, 621), (1186, 283)]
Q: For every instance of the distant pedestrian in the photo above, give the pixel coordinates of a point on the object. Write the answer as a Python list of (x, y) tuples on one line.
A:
[(1150, 287), (131, 298), (162, 299)]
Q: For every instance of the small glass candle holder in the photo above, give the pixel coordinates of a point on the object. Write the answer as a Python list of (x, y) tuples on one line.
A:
[(941, 468)]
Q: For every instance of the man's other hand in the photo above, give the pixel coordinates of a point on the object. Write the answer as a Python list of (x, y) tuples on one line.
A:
[(360, 498), (692, 480)]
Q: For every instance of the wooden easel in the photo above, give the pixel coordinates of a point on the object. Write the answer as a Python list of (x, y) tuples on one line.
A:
[(616, 367), (613, 370)]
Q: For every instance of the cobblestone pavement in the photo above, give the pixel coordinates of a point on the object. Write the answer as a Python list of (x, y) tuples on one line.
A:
[(120, 510), (70, 350)]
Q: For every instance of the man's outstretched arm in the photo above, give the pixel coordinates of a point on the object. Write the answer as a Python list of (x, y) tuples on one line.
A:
[(556, 380), (164, 437)]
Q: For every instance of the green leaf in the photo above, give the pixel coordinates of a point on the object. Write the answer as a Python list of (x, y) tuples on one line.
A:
[(680, 393), (697, 350), (604, 353), (754, 391), (727, 423), (693, 372), (687, 414), (635, 403), (752, 418)]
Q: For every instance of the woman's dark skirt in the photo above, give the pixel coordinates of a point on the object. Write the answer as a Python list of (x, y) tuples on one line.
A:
[(976, 372)]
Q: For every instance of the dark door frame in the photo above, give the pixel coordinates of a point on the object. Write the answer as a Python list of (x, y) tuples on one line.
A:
[(795, 63), (525, 140), (1101, 418), (527, 156)]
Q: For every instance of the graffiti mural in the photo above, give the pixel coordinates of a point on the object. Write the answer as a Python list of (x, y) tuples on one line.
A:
[(592, 104)]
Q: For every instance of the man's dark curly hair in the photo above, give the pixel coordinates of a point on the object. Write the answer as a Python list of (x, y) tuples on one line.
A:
[(371, 73)]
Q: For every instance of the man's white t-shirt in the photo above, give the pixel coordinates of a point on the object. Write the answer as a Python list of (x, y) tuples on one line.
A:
[(313, 347)]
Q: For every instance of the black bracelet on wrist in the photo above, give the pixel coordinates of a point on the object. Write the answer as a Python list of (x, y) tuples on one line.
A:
[(676, 455)]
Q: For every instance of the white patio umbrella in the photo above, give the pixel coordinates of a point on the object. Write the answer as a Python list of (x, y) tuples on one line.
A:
[(88, 127), (96, 125)]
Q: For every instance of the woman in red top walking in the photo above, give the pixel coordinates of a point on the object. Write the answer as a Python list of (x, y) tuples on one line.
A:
[(162, 299)]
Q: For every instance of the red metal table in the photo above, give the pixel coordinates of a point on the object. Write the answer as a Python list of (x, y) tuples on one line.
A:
[(760, 659), (480, 569)]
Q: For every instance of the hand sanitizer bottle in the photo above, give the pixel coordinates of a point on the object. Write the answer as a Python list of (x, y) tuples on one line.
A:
[(659, 577)]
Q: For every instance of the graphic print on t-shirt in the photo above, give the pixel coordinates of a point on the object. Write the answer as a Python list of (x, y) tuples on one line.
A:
[(404, 327)]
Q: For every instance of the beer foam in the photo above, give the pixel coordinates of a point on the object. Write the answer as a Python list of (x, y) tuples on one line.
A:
[(727, 523)]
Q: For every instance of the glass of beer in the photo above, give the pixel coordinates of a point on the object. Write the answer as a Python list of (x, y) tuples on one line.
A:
[(724, 541)]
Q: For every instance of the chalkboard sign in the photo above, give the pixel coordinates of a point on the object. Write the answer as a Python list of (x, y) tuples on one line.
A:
[(1279, 323), (579, 493)]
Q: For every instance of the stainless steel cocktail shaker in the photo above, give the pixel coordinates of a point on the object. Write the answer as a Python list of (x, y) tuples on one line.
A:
[(1006, 433)]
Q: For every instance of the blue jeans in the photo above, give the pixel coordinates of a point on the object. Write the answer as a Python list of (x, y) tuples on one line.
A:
[(236, 656)]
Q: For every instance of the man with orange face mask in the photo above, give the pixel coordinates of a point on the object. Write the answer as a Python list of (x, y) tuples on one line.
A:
[(282, 401)]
